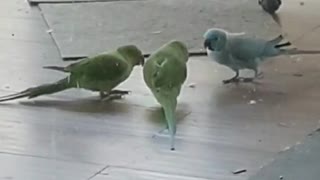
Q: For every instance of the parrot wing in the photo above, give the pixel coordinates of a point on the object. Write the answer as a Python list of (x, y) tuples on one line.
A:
[(169, 73), (101, 68), (245, 49)]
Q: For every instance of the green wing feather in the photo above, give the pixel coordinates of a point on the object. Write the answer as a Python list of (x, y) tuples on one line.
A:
[(101, 68), (169, 73)]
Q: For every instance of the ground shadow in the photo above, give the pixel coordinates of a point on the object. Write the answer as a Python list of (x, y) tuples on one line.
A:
[(156, 115), (87, 105)]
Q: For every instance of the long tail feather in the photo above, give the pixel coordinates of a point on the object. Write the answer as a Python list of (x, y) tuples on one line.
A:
[(57, 68), (13, 96), (38, 91), (283, 45), (169, 111), (276, 40), (297, 51)]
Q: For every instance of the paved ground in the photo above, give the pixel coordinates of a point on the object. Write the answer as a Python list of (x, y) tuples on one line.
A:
[(82, 29), (299, 162), (72, 136)]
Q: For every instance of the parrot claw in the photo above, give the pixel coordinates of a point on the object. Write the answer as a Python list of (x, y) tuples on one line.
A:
[(226, 81), (232, 80), (121, 92), (115, 94), (259, 75), (237, 80), (112, 97), (247, 80)]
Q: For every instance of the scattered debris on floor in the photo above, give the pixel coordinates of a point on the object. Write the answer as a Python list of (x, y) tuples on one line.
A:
[(252, 102), (49, 31), (156, 32), (301, 3), (282, 124), (297, 59), (297, 74), (239, 171), (192, 85), (253, 90), (285, 149)]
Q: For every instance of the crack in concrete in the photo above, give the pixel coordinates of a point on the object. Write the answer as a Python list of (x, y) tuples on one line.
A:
[(149, 171), (99, 172), (48, 158), (36, 3)]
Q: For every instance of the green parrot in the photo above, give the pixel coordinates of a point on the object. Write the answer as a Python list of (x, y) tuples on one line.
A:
[(100, 73), (164, 72)]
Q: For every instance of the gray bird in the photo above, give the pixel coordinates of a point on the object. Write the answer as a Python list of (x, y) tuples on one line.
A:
[(238, 51), (270, 6)]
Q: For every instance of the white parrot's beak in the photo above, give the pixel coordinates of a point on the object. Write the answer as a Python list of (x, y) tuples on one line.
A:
[(207, 45)]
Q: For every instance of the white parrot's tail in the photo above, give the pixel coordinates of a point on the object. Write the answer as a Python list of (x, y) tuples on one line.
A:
[(276, 42), (298, 51), (283, 45)]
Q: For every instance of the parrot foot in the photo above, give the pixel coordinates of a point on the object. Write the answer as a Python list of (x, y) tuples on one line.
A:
[(246, 80), (112, 95), (121, 92), (232, 80), (238, 80)]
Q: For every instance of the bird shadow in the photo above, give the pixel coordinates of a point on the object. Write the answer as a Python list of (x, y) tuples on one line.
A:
[(87, 105), (156, 114)]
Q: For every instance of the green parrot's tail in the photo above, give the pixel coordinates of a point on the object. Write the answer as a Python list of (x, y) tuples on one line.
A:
[(169, 111), (57, 68), (39, 90)]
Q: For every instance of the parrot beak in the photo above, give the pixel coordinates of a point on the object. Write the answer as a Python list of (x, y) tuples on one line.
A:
[(206, 45), (142, 62)]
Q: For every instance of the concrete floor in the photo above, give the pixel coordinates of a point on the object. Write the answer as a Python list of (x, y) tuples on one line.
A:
[(73, 136)]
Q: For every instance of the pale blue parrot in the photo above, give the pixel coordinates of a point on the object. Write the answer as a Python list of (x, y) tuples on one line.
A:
[(238, 51)]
